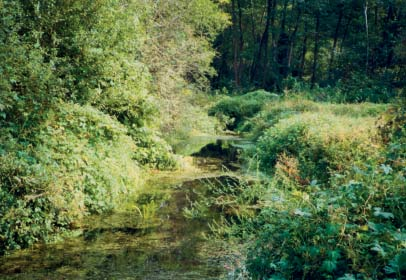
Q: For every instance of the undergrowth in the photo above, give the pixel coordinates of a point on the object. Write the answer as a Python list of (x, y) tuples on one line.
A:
[(78, 161), (333, 202), (233, 111)]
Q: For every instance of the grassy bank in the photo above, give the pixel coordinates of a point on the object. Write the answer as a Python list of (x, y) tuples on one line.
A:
[(332, 200)]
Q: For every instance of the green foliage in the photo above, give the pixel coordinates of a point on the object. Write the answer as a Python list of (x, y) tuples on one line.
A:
[(192, 106), (322, 144), (334, 203), (361, 88), (24, 74), (295, 105), (152, 150), (357, 88), (357, 46), (179, 54), (237, 109), (356, 227), (335, 206), (80, 161), (78, 103)]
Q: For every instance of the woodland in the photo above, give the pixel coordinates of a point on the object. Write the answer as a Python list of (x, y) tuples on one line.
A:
[(97, 96)]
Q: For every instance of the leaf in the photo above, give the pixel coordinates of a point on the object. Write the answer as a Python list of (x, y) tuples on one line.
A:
[(347, 277), (364, 228), (385, 215), (386, 169), (397, 265), (379, 249), (302, 213), (334, 255), (329, 265)]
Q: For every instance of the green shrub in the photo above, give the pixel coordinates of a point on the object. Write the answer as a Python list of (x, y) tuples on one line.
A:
[(274, 111), (360, 88), (237, 109), (152, 150), (354, 229), (355, 88), (335, 205), (80, 161), (322, 144), (177, 125)]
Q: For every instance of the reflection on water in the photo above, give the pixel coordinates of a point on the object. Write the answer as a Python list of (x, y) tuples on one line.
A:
[(152, 240)]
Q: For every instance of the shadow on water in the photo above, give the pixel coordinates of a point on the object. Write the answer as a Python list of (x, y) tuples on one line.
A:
[(152, 241)]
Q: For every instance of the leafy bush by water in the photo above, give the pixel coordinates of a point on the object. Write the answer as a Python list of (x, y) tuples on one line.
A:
[(322, 144), (237, 109), (353, 229), (336, 203), (80, 161), (274, 111)]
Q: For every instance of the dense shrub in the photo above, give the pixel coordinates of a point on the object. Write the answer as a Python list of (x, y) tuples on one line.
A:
[(355, 88), (237, 109), (77, 102), (334, 202), (80, 162), (322, 144), (354, 228), (358, 87), (274, 111), (192, 106), (152, 150)]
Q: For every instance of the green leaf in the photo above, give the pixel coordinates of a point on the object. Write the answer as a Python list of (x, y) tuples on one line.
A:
[(385, 215), (329, 265), (379, 249), (347, 277)]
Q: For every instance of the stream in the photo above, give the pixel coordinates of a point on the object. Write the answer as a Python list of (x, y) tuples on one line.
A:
[(149, 238)]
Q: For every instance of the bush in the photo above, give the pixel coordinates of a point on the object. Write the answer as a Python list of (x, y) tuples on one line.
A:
[(335, 205), (322, 144), (356, 88), (274, 111), (152, 151), (360, 88), (79, 162), (237, 109), (176, 125), (354, 230)]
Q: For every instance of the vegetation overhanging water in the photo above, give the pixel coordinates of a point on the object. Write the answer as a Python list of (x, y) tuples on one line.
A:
[(148, 238)]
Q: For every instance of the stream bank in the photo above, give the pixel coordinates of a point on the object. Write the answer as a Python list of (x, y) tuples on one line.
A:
[(150, 238)]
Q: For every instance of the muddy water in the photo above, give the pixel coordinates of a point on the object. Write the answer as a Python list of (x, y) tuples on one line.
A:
[(148, 239)]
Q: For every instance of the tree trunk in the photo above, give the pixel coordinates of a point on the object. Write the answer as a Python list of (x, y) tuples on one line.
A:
[(293, 37), (367, 35), (236, 46), (346, 30), (285, 6), (283, 46), (241, 40), (254, 36), (304, 51), (263, 46), (316, 51), (333, 50), (389, 31)]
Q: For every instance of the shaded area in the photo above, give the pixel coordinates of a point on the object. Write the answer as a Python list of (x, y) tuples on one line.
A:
[(228, 150)]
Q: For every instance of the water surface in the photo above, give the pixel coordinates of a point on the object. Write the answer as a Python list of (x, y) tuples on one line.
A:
[(150, 238)]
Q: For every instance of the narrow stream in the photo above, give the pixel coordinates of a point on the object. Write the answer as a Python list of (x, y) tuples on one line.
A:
[(150, 239)]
